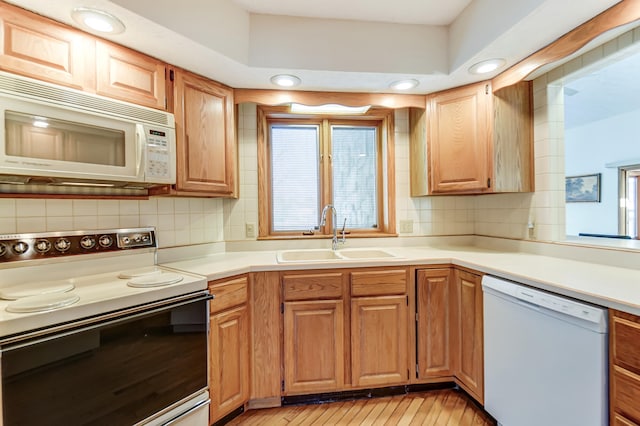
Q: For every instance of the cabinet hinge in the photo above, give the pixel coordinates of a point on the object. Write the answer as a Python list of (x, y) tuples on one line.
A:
[(282, 386), (417, 371), (408, 374), (488, 182), (171, 76), (486, 89), (282, 310), (417, 317), (407, 300)]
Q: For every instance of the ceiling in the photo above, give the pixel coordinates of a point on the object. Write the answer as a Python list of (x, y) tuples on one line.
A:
[(604, 90), (336, 45)]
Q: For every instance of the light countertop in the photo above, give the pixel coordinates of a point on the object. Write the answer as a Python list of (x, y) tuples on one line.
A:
[(609, 286)]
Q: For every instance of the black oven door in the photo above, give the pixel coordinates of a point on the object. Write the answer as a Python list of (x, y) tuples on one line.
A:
[(118, 371)]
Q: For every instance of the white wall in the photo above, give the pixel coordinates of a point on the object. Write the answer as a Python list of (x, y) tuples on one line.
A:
[(588, 149)]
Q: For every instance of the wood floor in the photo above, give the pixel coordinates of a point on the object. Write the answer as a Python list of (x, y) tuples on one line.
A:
[(442, 408)]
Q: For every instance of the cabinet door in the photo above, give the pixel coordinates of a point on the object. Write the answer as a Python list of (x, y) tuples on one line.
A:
[(205, 134), (130, 76), (436, 318), (379, 340), (229, 366), (459, 140), (37, 47), (470, 362), (313, 346)]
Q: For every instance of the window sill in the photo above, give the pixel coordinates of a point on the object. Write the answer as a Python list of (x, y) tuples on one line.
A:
[(327, 237)]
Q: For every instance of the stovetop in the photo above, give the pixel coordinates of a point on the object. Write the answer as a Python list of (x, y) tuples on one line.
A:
[(84, 279)]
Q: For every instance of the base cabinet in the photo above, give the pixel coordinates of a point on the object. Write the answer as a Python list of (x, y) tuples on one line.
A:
[(469, 345), (624, 372), (229, 347), (314, 349), (436, 319), (379, 340)]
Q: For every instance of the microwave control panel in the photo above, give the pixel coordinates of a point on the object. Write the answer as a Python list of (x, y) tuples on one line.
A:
[(158, 154)]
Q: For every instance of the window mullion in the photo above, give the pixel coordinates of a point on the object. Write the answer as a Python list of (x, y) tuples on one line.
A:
[(325, 178)]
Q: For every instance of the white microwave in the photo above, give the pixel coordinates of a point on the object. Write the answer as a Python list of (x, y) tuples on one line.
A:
[(60, 136)]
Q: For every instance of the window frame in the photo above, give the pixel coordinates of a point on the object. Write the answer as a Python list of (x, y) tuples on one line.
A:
[(381, 118)]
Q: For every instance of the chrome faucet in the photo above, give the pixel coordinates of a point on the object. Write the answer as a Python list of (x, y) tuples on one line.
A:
[(334, 219)]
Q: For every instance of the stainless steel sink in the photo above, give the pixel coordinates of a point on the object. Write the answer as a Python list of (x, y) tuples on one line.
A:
[(326, 255)]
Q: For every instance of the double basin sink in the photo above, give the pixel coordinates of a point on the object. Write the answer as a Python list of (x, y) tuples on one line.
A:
[(326, 255)]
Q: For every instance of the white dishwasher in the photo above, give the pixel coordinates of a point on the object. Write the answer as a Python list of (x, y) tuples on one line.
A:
[(545, 358)]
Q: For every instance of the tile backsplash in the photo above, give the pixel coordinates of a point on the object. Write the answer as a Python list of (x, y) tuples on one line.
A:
[(179, 221)]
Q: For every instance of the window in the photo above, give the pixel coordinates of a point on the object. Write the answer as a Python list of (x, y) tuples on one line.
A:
[(308, 162)]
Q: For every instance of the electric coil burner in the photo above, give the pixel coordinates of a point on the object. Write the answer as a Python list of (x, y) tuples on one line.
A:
[(98, 333)]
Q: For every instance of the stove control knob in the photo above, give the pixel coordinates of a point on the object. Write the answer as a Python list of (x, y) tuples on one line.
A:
[(126, 240), (3, 250), (105, 241), (87, 242), (62, 245), (43, 246), (20, 247)]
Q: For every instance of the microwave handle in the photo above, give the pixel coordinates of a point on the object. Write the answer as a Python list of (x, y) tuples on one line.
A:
[(141, 142)]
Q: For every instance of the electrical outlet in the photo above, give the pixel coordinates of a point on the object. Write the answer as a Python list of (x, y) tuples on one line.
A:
[(406, 226), (250, 230)]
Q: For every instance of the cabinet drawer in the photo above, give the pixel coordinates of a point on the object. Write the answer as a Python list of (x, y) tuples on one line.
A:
[(229, 293), (379, 283), (618, 420), (626, 393), (312, 286), (626, 342)]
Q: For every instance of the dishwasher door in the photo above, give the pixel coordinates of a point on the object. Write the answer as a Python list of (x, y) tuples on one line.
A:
[(545, 358)]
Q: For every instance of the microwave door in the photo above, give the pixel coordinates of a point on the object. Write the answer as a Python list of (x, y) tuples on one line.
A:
[(50, 141)]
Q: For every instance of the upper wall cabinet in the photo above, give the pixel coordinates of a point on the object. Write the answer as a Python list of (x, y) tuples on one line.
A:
[(205, 132), (40, 48), (469, 140), (130, 76)]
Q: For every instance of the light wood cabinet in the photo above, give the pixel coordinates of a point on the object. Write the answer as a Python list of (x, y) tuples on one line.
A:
[(314, 346), (624, 372), (314, 332), (470, 140), (469, 363), (130, 76), (205, 133), (379, 328), (43, 49), (436, 323), (229, 342), (40, 48)]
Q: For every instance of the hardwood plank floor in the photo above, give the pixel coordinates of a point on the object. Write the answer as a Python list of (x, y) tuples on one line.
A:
[(438, 408)]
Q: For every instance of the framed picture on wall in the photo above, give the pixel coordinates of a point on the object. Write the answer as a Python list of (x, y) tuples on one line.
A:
[(583, 189)]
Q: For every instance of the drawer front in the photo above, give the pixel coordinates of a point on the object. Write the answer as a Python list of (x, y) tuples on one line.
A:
[(312, 286), (379, 283), (626, 393), (626, 343), (229, 293), (618, 420)]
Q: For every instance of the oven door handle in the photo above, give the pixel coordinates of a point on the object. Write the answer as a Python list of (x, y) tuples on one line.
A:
[(110, 318)]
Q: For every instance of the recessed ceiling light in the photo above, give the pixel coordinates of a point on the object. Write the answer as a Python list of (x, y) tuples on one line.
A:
[(486, 66), (328, 109), (97, 20), (285, 80), (404, 84)]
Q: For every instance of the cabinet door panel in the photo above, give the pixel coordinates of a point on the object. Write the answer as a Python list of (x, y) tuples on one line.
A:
[(206, 138), (130, 76), (314, 346), (229, 369), (379, 340), (435, 332), (37, 47), (459, 140), (470, 363)]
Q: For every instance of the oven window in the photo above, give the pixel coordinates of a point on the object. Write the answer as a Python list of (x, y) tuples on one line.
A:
[(114, 374)]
